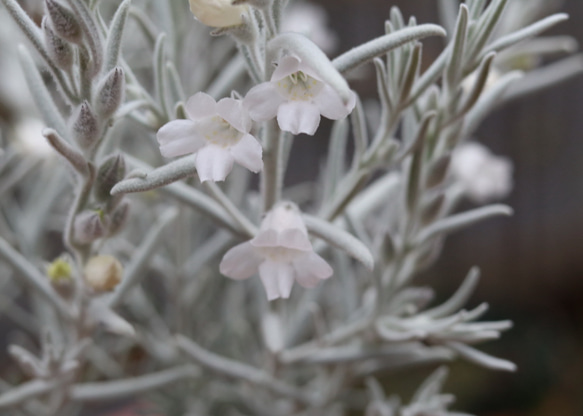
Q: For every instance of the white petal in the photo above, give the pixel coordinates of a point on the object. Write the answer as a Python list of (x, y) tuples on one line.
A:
[(285, 67), (331, 105), (277, 278), (179, 137), (213, 163), (240, 262), (298, 117), (310, 269), (283, 227), (201, 105), (247, 153), (263, 101), (233, 111)]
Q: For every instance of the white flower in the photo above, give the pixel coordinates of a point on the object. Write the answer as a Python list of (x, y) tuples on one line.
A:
[(217, 132), (281, 252), (297, 96), (217, 13), (482, 175), (310, 20)]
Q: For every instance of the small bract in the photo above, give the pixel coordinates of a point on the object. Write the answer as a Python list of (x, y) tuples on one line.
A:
[(217, 13)]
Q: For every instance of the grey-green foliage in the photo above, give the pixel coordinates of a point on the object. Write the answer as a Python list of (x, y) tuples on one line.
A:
[(110, 75)]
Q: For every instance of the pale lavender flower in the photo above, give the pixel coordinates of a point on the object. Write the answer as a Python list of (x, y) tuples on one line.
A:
[(281, 252), (218, 132), (297, 97), (482, 176)]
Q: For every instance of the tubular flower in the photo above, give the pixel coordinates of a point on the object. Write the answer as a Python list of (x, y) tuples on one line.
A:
[(217, 13), (217, 132), (281, 252), (297, 96)]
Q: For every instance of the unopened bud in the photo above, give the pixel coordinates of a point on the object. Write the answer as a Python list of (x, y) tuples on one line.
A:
[(111, 171), (244, 32), (59, 50), (103, 273), (60, 270), (118, 219), (85, 127), (110, 93), (88, 227), (217, 13), (64, 22)]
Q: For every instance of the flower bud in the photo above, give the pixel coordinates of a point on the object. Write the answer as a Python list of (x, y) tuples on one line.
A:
[(64, 22), (85, 129), (217, 13), (111, 171), (59, 50), (103, 273), (59, 270), (438, 171), (88, 227), (110, 93), (118, 219)]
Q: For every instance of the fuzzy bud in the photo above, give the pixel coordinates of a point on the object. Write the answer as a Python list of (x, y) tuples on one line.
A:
[(118, 219), (217, 13), (64, 22), (111, 171), (103, 273), (110, 93), (88, 227), (59, 50), (85, 128)]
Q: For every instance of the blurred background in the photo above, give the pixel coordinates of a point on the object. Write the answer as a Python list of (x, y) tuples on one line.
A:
[(532, 263)]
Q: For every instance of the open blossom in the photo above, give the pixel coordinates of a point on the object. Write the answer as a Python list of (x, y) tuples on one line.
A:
[(482, 175), (281, 252), (218, 132), (297, 97), (217, 13)]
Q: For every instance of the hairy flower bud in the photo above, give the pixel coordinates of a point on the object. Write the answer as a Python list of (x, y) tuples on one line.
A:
[(111, 171), (119, 218), (217, 13), (59, 270), (88, 227), (103, 273), (59, 50), (85, 128), (64, 21), (110, 93)]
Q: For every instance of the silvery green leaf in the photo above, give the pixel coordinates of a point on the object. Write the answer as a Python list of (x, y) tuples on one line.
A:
[(171, 172), (160, 74), (448, 10), (411, 72), (453, 69), (546, 77), (397, 18), (116, 389), (73, 156), (341, 239), (478, 86), (428, 77), (381, 45), (25, 392), (526, 33), (133, 271), (431, 386), (484, 30), (40, 93), (460, 221), (459, 298), (359, 129), (92, 35), (480, 358), (115, 34), (488, 100), (335, 162)]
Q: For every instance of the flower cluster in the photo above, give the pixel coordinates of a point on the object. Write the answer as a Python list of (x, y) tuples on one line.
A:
[(219, 132)]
